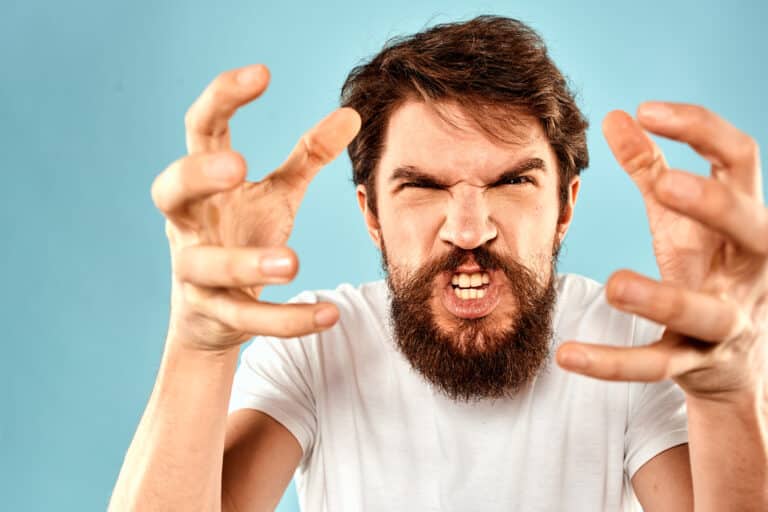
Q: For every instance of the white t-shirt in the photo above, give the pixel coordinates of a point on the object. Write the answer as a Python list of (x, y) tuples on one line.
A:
[(375, 436)]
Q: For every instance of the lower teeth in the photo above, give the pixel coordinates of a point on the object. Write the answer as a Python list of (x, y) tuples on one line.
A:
[(469, 293)]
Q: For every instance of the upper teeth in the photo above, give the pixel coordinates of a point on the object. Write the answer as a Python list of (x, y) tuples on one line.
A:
[(464, 280)]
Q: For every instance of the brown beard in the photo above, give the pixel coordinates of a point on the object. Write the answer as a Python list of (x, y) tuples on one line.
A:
[(477, 358)]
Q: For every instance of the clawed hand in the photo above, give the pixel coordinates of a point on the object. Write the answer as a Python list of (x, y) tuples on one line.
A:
[(227, 235), (710, 239)]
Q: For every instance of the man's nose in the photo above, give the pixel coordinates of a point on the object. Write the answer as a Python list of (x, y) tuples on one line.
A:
[(468, 223)]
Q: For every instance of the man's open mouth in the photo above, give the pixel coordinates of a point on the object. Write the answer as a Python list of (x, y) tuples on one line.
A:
[(472, 293), (470, 286)]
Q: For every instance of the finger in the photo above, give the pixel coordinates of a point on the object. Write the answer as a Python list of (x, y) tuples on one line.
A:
[(207, 120), (647, 363), (316, 148), (263, 318), (714, 138), (695, 314), (196, 176), (235, 267), (725, 209), (633, 149)]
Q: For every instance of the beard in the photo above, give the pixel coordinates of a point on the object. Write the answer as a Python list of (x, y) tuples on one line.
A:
[(475, 358)]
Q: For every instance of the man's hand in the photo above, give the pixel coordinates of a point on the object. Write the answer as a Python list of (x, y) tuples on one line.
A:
[(227, 235), (710, 238)]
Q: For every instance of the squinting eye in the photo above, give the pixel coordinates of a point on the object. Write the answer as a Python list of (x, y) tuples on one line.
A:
[(519, 180), (418, 185)]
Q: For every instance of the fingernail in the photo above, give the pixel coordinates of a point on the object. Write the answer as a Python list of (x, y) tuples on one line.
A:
[(277, 266), (249, 75), (574, 358), (680, 186), (326, 317), (221, 167), (654, 111)]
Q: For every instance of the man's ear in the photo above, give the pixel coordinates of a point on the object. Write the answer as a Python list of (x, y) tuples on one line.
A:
[(567, 214), (371, 222)]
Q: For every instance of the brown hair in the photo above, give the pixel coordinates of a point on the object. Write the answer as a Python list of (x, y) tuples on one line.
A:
[(492, 67)]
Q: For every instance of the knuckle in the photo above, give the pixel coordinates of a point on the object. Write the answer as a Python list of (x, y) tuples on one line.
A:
[(184, 264), (191, 117), (164, 184), (762, 231), (194, 296), (614, 369), (234, 160), (218, 92), (670, 306), (699, 114), (749, 149), (156, 193), (234, 270), (719, 200), (241, 317), (662, 367), (316, 150), (170, 231)]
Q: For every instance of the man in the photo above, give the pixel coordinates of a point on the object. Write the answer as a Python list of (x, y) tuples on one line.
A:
[(435, 390)]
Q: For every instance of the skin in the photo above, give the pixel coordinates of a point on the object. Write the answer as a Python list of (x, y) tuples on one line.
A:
[(460, 200), (227, 239), (710, 238)]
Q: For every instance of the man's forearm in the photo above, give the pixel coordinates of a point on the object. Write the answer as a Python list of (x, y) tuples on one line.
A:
[(729, 452), (175, 459)]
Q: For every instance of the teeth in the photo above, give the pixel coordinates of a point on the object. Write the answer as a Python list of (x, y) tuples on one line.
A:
[(464, 280), (469, 293), (462, 293)]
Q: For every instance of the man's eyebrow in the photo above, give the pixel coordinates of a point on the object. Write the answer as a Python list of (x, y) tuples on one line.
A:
[(528, 164), (411, 173)]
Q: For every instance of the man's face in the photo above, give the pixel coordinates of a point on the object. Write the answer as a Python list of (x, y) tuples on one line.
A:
[(468, 228)]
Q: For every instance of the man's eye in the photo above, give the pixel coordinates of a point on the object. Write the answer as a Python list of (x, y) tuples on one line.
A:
[(414, 184), (518, 180)]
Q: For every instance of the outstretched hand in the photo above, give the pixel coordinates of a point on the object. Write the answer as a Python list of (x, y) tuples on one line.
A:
[(228, 235), (710, 239)]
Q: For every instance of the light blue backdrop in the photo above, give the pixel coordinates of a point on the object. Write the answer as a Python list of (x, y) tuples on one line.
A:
[(92, 99)]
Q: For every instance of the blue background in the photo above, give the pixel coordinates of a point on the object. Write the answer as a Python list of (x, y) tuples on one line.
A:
[(92, 100)]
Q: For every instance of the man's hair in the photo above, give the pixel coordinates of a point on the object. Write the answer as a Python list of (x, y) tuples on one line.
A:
[(493, 68)]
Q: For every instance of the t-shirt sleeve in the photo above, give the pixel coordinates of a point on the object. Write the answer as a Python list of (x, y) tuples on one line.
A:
[(274, 376), (657, 417)]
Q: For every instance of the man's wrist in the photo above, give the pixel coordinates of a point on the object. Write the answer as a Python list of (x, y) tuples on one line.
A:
[(177, 349)]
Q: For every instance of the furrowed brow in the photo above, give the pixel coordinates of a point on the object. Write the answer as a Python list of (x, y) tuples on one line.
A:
[(529, 164), (412, 174)]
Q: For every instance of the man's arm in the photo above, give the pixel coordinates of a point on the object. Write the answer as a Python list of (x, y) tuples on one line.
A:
[(729, 447), (729, 453), (175, 459), (710, 237), (254, 443), (664, 482), (227, 238)]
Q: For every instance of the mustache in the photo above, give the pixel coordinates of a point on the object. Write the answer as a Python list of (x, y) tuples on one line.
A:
[(483, 256)]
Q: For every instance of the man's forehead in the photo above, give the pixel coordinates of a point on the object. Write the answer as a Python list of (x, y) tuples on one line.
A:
[(509, 126), (445, 136)]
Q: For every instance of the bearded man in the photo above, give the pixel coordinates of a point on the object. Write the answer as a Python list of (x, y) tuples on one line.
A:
[(436, 389)]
